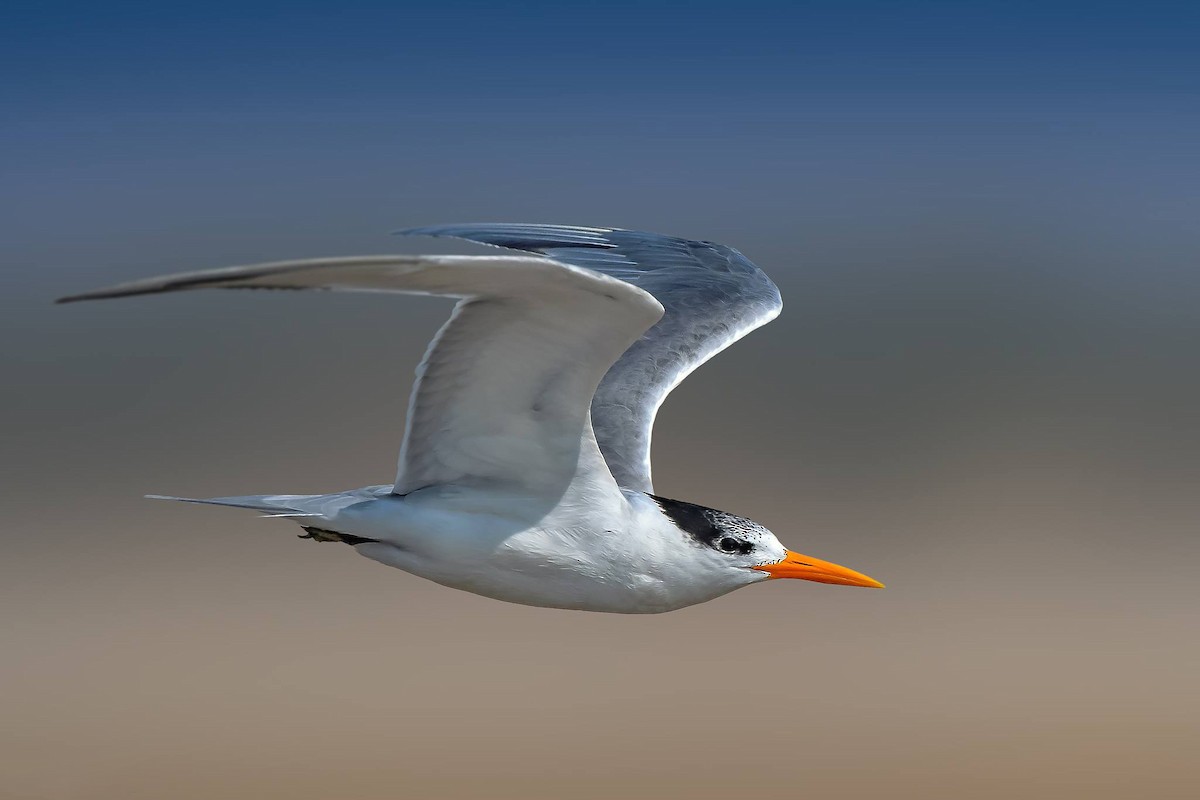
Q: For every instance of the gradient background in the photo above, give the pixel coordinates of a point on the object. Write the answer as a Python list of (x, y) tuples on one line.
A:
[(983, 391)]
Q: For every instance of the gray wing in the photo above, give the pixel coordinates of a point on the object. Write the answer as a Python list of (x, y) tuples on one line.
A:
[(712, 294), (503, 391)]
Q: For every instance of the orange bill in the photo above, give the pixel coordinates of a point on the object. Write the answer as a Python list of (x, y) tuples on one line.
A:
[(808, 568)]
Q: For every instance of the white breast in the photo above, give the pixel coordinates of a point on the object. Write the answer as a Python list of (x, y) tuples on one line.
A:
[(590, 550)]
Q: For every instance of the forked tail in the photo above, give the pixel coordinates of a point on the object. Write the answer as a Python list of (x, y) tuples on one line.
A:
[(272, 505), (313, 512)]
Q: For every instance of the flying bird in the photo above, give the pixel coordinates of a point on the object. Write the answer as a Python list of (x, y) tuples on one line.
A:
[(524, 474)]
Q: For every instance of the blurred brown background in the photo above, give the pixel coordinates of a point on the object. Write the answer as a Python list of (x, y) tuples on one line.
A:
[(1017, 464), (982, 391)]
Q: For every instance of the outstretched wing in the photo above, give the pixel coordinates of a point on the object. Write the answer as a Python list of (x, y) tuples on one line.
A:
[(712, 296), (503, 391)]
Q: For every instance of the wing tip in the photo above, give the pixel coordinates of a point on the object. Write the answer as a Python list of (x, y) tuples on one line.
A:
[(106, 294), (464, 229), (149, 286), (95, 294), (79, 298), (429, 230)]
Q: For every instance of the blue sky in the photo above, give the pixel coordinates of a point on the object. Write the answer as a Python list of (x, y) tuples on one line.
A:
[(219, 55)]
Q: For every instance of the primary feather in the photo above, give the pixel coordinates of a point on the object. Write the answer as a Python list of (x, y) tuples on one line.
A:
[(711, 294)]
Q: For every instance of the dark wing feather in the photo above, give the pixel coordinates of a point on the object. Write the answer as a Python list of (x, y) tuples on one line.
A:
[(713, 296)]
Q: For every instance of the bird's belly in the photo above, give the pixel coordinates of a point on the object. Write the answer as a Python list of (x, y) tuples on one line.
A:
[(535, 580), (522, 551)]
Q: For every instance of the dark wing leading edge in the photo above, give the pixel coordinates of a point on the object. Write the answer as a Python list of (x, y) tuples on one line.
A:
[(713, 296)]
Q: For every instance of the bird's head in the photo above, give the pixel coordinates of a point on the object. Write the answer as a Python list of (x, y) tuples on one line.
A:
[(744, 552)]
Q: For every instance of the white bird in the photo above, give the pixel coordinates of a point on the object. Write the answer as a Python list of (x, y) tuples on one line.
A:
[(524, 473)]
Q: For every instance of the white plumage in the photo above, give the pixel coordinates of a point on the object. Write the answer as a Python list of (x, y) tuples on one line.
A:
[(524, 473)]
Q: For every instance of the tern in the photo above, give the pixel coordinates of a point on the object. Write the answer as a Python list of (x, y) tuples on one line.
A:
[(524, 473)]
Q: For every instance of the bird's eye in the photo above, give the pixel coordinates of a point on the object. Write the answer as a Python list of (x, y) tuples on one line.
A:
[(729, 544)]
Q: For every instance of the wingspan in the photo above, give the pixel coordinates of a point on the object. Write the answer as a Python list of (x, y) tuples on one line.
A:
[(712, 296), (504, 389)]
